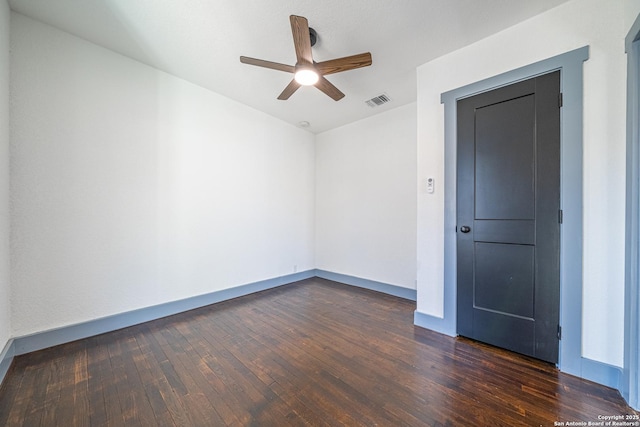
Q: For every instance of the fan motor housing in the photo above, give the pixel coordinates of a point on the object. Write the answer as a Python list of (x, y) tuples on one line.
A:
[(313, 36)]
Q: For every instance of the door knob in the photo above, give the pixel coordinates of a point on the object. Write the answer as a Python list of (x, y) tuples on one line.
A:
[(465, 229)]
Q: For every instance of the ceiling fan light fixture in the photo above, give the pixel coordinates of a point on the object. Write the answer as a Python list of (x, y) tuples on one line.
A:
[(308, 72), (306, 76)]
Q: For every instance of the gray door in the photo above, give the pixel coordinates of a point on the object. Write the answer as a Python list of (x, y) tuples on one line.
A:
[(508, 217)]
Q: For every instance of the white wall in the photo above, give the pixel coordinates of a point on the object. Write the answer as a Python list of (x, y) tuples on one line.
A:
[(132, 187), (5, 324), (602, 26), (630, 12), (365, 198)]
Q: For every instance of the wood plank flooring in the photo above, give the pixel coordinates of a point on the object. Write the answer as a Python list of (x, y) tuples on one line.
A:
[(314, 353)]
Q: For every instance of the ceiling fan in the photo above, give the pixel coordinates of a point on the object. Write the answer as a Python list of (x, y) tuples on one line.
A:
[(307, 72)]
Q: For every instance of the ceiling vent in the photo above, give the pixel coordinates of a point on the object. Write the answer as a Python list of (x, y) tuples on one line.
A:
[(377, 101)]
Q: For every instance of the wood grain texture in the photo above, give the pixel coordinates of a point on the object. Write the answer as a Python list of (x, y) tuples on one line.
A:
[(328, 88), (289, 90), (314, 353), (344, 64), (301, 39), (267, 64)]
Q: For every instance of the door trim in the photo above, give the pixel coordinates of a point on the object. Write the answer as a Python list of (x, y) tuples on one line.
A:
[(630, 384), (571, 142)]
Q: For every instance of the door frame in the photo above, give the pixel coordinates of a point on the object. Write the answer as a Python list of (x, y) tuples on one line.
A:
[(630, 384), (570, 65)]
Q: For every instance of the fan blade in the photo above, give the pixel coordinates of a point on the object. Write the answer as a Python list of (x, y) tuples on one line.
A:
[(327, 87), (301, 39), (289, 90), (344, 64), (267, 64)]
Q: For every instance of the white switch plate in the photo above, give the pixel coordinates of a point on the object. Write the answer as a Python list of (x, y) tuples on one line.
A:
[(430, 185)]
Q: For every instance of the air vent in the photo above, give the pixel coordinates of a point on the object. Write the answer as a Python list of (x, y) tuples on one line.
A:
[(377, 101)]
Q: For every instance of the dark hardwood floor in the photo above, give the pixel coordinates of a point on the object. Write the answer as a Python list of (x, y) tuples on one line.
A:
[(312, 353)]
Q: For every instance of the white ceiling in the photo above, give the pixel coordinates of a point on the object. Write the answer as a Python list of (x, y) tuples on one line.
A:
[(201, 41)]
